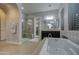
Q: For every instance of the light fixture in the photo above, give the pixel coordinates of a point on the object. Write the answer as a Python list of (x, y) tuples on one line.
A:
[(22, 8), (22, 20), (49, 17)]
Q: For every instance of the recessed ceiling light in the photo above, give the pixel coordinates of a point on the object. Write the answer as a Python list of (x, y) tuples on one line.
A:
[(22, 20), (22, 8)]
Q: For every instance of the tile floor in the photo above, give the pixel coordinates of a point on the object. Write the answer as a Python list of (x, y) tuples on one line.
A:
[(27, 48)]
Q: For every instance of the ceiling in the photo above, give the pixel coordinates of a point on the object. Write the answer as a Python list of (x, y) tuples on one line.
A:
[(40, 7)]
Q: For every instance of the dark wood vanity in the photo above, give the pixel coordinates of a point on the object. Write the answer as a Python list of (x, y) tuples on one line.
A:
[(53, 34)]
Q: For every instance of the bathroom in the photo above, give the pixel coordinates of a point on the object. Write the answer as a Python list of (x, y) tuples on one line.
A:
[(45, 28), (36, 19), (39, 29), (52, 20)]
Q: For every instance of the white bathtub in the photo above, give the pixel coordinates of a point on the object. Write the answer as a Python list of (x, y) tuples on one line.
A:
[(59, 46)]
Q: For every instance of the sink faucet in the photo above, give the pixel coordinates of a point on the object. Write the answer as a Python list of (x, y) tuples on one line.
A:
[(49, 35)]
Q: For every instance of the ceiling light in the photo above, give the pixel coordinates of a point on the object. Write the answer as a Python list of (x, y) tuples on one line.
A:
[(49, 17), (22, 8), (22, 20)]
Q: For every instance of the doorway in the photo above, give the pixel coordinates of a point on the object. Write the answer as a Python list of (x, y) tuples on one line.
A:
[(2, 24)]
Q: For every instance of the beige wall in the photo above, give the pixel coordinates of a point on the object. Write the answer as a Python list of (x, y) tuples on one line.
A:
[(11, 20), (2, 20)]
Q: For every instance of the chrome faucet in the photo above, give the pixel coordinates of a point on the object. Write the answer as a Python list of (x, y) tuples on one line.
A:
[(49, 35)]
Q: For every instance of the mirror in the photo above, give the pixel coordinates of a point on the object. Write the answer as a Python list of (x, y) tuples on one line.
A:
[(50, 22)]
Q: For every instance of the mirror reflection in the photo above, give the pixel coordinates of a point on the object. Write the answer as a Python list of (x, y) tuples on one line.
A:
[(50, 22)]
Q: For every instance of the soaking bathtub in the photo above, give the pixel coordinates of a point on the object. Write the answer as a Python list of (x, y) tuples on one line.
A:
[(59, 46)]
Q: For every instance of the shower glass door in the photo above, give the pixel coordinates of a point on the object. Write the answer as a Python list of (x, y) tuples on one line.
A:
[(28, 28)]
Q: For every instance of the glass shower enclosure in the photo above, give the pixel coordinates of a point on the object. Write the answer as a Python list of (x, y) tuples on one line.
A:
[(28, 28)]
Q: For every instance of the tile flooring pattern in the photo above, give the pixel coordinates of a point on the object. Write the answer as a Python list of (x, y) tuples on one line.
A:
[(27, 48)]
